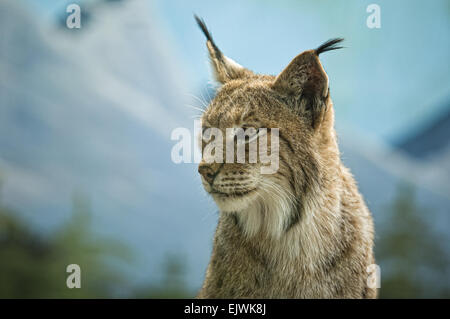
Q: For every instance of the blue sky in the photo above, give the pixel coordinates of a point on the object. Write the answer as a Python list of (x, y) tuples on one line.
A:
[(387, 82), (102, 108)]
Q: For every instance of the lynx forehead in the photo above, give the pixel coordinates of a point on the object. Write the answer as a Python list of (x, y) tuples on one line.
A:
[(304, 230)]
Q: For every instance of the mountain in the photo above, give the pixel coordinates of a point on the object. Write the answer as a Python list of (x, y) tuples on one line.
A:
[(430, 141), (92, 111)]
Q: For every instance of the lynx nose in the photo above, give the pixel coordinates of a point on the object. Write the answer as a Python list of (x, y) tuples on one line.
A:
[(207, 172)]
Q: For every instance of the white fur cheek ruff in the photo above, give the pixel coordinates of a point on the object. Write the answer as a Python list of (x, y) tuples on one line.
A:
[(267, 209), (234, 204)]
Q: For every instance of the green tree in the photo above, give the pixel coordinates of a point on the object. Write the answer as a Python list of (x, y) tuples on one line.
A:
[(172, 283), (33, 266), (414, 259)]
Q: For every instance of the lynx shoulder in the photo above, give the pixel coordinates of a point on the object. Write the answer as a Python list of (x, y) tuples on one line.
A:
[(302, 231)]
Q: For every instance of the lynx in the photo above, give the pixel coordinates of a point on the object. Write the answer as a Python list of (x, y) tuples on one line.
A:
[(303, 231)]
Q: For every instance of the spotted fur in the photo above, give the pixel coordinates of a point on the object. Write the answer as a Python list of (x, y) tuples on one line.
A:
[(304, 231)]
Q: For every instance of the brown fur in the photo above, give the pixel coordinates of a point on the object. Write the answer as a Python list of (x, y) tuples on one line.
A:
[(305, 231)]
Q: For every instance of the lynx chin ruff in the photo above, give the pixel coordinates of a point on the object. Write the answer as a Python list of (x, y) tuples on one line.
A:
[(304, 231)]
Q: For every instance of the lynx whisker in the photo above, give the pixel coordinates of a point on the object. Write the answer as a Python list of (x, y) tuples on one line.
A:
[(303, 230)]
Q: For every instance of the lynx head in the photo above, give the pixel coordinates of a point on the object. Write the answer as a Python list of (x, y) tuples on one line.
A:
[(296, 103)]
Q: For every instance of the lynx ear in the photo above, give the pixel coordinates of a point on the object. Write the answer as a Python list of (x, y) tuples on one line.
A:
[(305, 82), (225, 69)]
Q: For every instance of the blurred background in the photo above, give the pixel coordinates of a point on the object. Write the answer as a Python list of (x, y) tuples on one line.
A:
[(86, 114)]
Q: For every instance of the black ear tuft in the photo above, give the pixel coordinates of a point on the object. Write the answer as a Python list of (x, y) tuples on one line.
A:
[(224, 68), (208, 35), (329, 45)]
